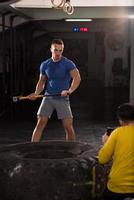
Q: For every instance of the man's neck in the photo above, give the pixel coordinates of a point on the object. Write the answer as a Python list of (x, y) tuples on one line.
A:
[(56, 60), (127, 123)]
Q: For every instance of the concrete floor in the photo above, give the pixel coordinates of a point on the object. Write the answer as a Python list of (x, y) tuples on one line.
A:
[(93, 109), (13, 131)]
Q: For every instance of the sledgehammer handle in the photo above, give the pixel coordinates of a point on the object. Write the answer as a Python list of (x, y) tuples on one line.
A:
[(19, 98)]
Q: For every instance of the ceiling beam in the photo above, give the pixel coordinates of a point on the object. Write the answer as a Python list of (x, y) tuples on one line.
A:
[(79, 12)]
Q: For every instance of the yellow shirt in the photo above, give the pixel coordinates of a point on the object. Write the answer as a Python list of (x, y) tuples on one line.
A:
[(120, 147)]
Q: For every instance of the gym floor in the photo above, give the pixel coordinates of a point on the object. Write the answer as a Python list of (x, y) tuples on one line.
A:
[(13, 131), (93, 112)]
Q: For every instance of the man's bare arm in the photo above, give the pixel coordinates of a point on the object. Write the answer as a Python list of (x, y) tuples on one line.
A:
[(39, 87), (40, 84), (75, 75), (75, 80)]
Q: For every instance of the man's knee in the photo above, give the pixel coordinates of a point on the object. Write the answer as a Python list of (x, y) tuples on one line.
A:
[(42, 121), (67, 123)]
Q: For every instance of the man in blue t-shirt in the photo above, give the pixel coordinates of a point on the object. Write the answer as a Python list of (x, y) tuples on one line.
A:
[(60, 77)]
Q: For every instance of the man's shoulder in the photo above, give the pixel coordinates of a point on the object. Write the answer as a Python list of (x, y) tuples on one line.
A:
[(45, 64), (67, 60), (47, 61)]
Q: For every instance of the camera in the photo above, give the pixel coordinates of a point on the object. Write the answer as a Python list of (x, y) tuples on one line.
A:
[(109, 130)]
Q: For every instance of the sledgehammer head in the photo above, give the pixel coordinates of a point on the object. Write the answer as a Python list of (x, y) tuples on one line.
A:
[(16, 99)]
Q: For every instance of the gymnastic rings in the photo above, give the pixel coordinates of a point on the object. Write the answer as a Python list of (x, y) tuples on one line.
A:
[(58, 4), (68, 8), (63, 4)]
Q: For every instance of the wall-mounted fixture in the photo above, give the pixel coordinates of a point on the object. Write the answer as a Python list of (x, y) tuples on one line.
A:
[(78, 20)]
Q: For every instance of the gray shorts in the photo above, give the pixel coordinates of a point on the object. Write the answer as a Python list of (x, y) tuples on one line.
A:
[(60, 104)]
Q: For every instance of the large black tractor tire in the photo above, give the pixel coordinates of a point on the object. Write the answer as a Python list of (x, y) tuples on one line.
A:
[(50, 170)]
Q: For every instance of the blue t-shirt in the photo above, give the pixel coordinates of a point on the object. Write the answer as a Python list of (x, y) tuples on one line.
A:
[(57, 74)]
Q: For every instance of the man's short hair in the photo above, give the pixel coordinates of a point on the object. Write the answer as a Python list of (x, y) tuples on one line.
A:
[(57, 41), (125, 112)]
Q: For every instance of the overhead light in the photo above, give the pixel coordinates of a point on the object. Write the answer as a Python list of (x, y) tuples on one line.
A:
[(78, 20)]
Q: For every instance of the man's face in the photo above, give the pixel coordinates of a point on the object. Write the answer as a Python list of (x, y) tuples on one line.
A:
[(57, 50)]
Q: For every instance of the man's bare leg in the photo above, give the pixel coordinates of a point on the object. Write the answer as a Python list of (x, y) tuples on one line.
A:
[(41, 123), (69, 130)]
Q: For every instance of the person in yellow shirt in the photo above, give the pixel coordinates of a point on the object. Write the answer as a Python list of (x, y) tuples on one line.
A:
[(119, 147)]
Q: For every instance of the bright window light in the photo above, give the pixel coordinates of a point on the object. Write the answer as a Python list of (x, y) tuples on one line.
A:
[(131, 16)]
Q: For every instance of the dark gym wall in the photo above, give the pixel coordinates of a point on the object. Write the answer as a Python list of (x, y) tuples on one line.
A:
[(27, 45)]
